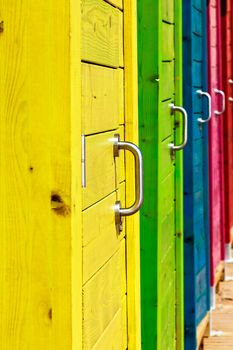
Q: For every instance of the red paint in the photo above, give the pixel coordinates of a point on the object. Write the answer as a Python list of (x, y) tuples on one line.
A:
[(227, 69), (217, 201)]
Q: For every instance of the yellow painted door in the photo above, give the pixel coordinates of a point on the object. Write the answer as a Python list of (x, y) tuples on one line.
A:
[(56, 291), (111, 314)]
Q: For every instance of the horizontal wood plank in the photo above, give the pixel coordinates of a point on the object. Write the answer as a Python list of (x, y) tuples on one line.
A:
[(100, 238), (166, 120), (100, 168), (168, 10), (203, 329), (168, 51), (102, 38), (115, 335), (166, 159), (103, 297), (101, 98), (167, 85)]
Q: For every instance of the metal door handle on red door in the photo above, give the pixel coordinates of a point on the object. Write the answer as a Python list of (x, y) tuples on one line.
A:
[(220, 92)]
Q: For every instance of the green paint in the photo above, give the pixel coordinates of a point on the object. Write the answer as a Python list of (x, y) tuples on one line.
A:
[(160, 79)]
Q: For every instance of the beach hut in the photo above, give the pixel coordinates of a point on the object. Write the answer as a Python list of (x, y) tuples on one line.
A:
[(163, 135), (69, 256), (197, 101)]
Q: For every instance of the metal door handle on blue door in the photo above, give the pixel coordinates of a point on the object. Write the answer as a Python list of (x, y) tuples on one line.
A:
[(206, 94)]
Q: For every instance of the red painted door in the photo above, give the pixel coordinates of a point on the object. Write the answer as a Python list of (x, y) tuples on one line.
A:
[(217, 223), (227, 70)]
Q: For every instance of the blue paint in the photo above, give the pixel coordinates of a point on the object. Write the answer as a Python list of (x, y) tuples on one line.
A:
[(196, 215)]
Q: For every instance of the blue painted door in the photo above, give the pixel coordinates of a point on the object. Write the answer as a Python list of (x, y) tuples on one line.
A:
[(196, 216)]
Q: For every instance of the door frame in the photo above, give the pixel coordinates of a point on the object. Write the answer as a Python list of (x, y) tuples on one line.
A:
[(215, 261), (76, 175), (131, 134), (179, 225)]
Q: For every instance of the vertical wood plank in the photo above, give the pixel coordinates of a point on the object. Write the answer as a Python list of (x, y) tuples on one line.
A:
[(76, 176), (179, 181), (101, 42), (148, 37), (37, 178), (131, 134)]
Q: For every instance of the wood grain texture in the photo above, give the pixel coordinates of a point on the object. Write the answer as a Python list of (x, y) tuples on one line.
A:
[(217, 218), (36, 158), (221, 336), (160, 82), (196, 195), (203, 329), (167, 75), (100, 99), (179, 180), (100, 168), (99, 231), (101, 36), (168, 51), (115, 336), (166, 121), (120, 161), (168, 10), (76, 198), (103, 297), (131, 134), (121, 97), (228, 269), (109, 320)]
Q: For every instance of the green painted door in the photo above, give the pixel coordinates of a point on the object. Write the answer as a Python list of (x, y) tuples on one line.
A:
[(160, 85)]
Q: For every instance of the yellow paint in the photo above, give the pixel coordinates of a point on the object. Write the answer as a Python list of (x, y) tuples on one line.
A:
[(39, 158), (103, 297), (120, 161), (121, 39), (104, 311), (100, 241), (121, 97), (101, 42), (131, 134), (117, 3), (115, 336), (63, 271), (101, 98), (100, 168), (76, 199)]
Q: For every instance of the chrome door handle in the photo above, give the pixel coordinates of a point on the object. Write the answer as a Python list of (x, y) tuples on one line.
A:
[(206, 94), (231, 99), (185, 138), (220, 92), (139, 186)]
